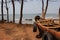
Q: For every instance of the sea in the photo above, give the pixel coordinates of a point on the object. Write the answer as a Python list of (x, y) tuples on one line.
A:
[(29, 16)]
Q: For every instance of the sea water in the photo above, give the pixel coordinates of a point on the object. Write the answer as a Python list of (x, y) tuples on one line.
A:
[(29, 16)]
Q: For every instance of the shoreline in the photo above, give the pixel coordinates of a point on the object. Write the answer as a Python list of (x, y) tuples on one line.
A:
[(31, 21)]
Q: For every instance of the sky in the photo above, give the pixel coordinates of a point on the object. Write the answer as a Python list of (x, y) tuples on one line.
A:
[(34, 6)]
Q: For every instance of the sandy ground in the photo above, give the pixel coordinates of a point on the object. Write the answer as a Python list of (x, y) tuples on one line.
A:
[(10, 31)]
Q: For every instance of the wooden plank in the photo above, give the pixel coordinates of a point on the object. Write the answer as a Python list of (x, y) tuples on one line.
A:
[(47, 22)]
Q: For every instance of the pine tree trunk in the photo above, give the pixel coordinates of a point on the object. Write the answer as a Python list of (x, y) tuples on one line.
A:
[(2, 11), (21, 12), (13, 11), (7, 11)]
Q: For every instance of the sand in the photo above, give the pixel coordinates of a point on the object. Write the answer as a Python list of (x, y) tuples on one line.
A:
[(10, 31)]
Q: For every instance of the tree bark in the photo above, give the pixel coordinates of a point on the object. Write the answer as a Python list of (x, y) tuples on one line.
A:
[(46, 8), (13, 11), (21, 12), (42, 9), (7, 11), (59, 16), (2, 11)]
